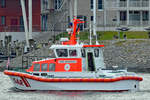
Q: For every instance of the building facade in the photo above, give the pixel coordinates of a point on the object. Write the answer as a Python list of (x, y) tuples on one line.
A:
[(54, 15), (110, 13), (11, 19)]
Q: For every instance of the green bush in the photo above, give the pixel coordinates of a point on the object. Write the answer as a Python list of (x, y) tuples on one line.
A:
[(108, 35)]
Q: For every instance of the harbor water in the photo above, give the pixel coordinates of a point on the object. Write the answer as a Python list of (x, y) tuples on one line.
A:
[(8, 92)]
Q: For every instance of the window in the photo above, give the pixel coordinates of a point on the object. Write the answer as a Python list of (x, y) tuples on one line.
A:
[(21, 24), (91, 18), (83, 52), (3, 19), (62, 52), (44, 67), (58, 4), (51, 67), (145, 15), (100, 5), (3, 3), (82, 26), (123, 15), (36, 74), (134, 15), (73, 53), (45, 4), (43, 74), (44, 22), (91, 5), (96, 52), (36, 67)]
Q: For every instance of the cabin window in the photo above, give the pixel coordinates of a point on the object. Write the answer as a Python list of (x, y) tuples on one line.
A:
[(62, 52), (73, 53), (96, 52), (83, 52), (36, 67), (36, 74), (51, 67), (43, 74), (44, 67)]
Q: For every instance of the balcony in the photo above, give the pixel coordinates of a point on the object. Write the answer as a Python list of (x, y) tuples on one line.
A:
[(134, 4), (138, 4), (123, 4), (124, 23), (18, 28), (135, 23)]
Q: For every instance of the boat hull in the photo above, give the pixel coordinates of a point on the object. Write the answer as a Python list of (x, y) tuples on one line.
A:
[(30, 84)]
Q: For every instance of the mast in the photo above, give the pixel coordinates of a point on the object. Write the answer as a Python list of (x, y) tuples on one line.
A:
[(75, 8), (94, 17), (30, 19), (90, 33), (70, 10), (73, 39), (25, 21), (94, 21)]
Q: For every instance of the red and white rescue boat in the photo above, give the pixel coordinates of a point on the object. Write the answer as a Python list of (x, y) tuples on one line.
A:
[(75, 67)]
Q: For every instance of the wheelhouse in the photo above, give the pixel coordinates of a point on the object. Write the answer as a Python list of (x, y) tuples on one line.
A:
[(71, 56), (77, 58)]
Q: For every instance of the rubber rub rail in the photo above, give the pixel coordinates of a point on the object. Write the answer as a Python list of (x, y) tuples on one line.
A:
[(72, 79)]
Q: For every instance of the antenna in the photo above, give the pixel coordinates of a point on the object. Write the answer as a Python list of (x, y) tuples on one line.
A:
[(97, 41), (94, 17), (94, 21), (90, 33)]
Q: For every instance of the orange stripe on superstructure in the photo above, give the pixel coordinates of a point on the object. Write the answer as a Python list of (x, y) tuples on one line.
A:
[(85, 46)]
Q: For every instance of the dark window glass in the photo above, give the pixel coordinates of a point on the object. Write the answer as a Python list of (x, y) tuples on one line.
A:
[(58, 4), (100, 4), (36, 67), (36, 74), (43, 74), (3, 3), (72, 53), (21, 24), (51, 67), (62, 52), (91, 18), (96, 52), (83, 52), (3, 20), (45, 4), (123, 15), (44, 67), (145, 15), (91, 5), (44, 22)]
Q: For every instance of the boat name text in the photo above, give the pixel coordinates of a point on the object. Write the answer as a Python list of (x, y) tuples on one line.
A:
[(18, 81), (67, 61)]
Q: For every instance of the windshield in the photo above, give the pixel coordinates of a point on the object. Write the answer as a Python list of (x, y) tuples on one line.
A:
[(62, 52)]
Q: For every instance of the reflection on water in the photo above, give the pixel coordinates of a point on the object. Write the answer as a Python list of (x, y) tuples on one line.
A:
[(8, 92)]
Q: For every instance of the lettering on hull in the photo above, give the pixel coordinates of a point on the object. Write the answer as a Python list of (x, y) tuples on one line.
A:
[(21, 82)]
